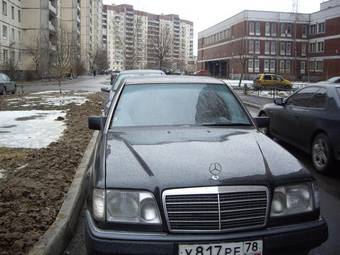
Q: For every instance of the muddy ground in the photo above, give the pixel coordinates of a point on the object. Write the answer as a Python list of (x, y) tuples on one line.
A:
[(36, 181)]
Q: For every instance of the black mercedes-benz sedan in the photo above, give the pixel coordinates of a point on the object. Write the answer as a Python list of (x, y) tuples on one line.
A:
[(181, 168), (310, 120)]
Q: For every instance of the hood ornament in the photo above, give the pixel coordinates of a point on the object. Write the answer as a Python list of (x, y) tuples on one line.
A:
[(215, 169)]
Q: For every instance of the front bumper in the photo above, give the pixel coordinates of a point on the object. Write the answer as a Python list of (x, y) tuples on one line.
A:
[(292, 239)]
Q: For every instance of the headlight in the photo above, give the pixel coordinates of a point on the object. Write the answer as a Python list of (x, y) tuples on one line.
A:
[(295, 199), (132, 207)]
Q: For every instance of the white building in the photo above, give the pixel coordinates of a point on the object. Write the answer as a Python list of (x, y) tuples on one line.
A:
[(131, 37)]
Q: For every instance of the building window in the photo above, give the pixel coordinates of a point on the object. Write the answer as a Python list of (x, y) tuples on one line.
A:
[(258, 28), (311, 66), (273, 48), (266, 65), (267, 47), (321, 28), (288, 66), (283, 29), (12, 34), (282, 48), (5, 55), (312, 29), (303, 49), (12, 12), (321, 47), (302, 67), (272, 66), (312, 47), (273, 29), (289, 30), (282, 66), (250, 66), (4, 32), (304, 31), (12, 56), (257, 66), (19, 15), (4, 8), (267, 29), (257, 47), (319, 66), (251, 47), (251, 28), (288, 49)]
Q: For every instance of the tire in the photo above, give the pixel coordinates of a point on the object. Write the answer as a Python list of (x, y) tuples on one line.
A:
[(321, 153), (4, 91), (265, 131)]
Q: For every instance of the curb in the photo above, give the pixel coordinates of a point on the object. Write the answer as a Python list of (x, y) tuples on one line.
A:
[(58, 235)]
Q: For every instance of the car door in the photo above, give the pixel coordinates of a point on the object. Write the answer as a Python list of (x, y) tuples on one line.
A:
[(267, 81), (289, 118), (309, 119)]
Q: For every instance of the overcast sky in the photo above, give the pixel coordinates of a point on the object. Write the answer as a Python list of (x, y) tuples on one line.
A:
[(209, 12)]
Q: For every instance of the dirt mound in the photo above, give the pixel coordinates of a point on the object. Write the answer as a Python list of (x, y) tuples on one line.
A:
[(37, 180)]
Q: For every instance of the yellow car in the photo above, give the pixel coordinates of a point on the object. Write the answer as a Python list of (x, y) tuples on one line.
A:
[(271, 81)]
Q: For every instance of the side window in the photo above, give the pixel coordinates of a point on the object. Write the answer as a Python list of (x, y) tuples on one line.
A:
[(319, 99), (337, 81), (303, 97), (267, 77)]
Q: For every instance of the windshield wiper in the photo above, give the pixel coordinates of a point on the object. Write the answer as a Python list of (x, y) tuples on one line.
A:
[(224, 124)]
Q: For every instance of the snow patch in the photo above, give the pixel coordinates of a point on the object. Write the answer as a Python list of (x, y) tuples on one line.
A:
[(30, 129), (49, 92)]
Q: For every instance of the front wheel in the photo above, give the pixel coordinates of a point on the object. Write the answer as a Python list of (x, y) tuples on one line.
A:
[(322, 157)]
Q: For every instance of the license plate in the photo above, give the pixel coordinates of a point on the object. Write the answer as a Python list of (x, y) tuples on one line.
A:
[(238, 248)]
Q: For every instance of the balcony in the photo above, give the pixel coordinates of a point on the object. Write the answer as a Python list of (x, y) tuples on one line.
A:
[(51, 27), (51, 8), (52, 47)]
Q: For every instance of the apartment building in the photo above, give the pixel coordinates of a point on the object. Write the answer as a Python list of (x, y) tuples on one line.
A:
[(133, 37), (298, 46), (29, 29), (70, 13), (90, 31), (11, 34)]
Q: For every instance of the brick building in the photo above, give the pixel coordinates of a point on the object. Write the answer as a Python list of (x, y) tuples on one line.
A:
[(298, 46)]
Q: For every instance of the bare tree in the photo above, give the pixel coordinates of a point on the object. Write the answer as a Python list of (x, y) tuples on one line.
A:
[(100, 59), (35, 50), (240, 52), (162, 45), (61, 64)]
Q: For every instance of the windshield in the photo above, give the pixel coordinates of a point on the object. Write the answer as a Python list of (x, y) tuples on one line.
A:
[(178, 104)]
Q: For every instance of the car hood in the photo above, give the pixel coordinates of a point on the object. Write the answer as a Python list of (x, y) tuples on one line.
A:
[(181, 157)]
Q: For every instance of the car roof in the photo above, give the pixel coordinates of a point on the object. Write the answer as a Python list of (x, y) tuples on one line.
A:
[(179, 79), (146, 71)]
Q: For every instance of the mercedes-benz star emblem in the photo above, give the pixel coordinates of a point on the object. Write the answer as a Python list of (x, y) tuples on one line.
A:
[(215, 169)]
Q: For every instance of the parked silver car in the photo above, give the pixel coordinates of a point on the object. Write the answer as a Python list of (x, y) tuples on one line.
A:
[(6, 85)]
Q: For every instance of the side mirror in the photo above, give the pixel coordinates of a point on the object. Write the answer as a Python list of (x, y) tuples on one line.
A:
[(105, 89), (261, 122), (96, 123), (279, 101)]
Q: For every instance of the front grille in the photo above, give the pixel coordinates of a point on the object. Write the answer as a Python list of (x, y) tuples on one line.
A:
[(216, 209)]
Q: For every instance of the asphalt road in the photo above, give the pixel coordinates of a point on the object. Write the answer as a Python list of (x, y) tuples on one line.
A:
[(83, 83), (330, 209)]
